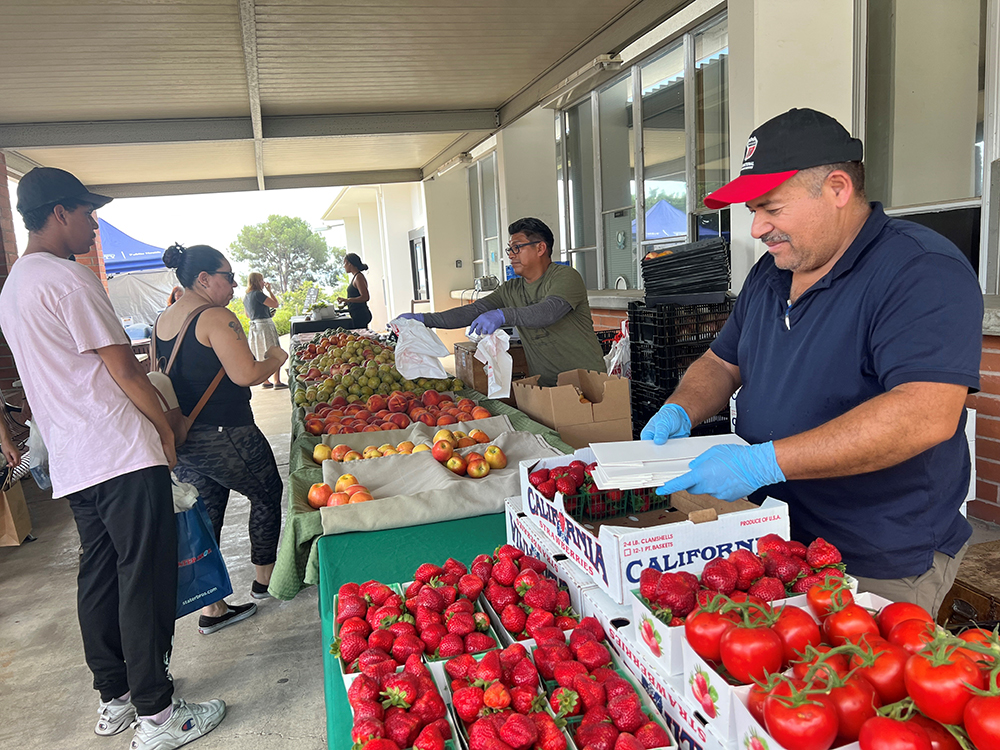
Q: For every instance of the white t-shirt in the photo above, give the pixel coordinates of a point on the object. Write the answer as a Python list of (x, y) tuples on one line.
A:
[(54, 313)]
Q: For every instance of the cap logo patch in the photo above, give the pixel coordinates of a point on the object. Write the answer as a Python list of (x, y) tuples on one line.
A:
[(751, 147)]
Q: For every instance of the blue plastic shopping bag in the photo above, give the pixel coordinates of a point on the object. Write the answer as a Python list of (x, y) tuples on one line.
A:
[(202, 577)]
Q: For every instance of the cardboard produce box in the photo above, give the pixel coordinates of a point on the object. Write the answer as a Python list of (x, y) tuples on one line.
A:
[(607, 415), (473, 372), (696, 529)]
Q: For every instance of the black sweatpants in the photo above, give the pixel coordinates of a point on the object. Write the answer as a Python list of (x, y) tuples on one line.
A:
[(127, 585), (219, 459)]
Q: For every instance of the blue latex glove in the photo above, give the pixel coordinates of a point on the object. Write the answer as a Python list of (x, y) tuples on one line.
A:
[(488, 322), (728, 472), (669, 422), (419, 317)]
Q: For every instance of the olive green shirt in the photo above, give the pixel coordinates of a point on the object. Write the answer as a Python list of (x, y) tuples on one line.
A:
[(568, 344)]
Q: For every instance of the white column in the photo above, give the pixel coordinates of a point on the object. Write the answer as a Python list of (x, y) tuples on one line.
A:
[(396, 214), (526, 155), (371, 244)]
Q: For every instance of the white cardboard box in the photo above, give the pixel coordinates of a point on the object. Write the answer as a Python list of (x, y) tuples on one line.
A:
[(659, 644), (699, 530), (526, 537)]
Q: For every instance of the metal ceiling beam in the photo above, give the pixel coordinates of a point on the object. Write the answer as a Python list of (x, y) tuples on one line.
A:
[(118, 132), (248, 26), (243, 184)]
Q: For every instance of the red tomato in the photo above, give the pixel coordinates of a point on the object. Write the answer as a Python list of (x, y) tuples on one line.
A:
[(884, 670), (809, 726), (704, 629), (941, 738), (940, 692), (856, 702), (982, 638), (821, 597), (883, 733), (836, 663), (758, 694), (912, 635), (796, 629), (982, 721), (751, 653), (893, 614), (849, 624)]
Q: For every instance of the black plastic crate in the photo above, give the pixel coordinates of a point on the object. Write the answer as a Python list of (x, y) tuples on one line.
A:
[(717, 425), (646, 400), (693, 323), (607, 338), (644, 322), (648, 362)]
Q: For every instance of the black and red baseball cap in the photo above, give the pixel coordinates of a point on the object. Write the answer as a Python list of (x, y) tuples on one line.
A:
[(778, 149)]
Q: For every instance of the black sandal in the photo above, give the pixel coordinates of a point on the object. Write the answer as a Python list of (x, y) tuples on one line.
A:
[(267, 385)]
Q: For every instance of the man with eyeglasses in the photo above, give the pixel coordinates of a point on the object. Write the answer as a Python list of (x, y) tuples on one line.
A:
[(547, 302), (110, 454)]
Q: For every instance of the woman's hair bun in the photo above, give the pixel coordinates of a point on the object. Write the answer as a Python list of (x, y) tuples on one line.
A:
[(364, 267), (173, 256)]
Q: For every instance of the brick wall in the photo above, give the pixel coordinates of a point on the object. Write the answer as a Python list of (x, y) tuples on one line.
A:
[(8, 254), (987, 406), (604, 319), (94, 260)]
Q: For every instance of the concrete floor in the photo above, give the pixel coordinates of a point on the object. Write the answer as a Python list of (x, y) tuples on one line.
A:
[(268, 669)]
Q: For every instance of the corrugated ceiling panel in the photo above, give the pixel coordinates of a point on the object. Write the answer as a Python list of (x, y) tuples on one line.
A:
[(99, 165), (348, 154), (64, 60), (338, 56)]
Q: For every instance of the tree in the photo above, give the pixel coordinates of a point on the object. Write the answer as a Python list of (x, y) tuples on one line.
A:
[(288, 253)]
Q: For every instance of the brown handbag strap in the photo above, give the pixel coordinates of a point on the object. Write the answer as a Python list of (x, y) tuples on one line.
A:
[(207, 395), (177, 341)]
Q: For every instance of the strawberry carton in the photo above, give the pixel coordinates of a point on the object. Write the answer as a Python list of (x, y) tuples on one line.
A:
[(524, 535), (574, 579), (658, 641), (695, 530), (357, 612)]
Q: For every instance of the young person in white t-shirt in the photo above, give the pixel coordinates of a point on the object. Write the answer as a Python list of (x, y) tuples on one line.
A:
[(110, 453)]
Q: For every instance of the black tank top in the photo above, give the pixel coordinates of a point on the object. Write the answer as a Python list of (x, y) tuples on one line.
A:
[(194, 370), (359, 312)]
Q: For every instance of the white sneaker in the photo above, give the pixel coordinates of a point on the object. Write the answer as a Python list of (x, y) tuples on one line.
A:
[(188, 722), (114, 718)]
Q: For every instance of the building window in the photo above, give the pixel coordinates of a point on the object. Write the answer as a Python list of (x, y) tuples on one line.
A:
[(485, 208), (683, 106)]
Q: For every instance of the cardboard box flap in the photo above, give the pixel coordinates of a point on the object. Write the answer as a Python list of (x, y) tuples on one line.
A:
[(556, 406)]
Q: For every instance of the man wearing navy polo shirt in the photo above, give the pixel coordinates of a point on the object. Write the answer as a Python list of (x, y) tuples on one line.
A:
[(854, 344)]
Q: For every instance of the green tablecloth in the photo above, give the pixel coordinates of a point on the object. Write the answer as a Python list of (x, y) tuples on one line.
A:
[(297, 565), (391, 557)]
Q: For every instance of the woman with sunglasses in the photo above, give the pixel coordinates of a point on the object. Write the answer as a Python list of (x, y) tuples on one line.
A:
[(224, 450)]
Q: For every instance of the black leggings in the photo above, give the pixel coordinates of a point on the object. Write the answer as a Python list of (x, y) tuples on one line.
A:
[(219, 459)]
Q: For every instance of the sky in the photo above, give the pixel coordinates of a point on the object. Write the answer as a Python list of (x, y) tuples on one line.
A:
[(212, 219)]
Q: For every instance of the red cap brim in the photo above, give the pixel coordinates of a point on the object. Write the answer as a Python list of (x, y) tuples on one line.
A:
[(745, 188)]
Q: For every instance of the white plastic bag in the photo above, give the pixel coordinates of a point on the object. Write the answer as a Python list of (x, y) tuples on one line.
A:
[(619, 360), (419, 350), (185, 495), (492, 351), (38, 459)]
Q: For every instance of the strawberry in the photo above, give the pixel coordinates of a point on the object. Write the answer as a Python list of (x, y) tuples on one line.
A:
[(348, 589), (400, 690), (461, 605), (402, 628), (482, 566), (380, 744), (539, 618), (525, 700), (548, 489), (652, 735), (532, 563), (366, 710), (828, 572), (406, 646), (451, 645), (566, 485), (363, 688), (616, 686), (502, 596), (429, 707), (443, 727), (749, 568), (382, 640), (596, 715), (424, 616), (413, 589), (797, 549), (565, 672), (374, 592), (511, 656), (478, 642), (648, 579), (591, 692), (468, 702), (508, 550), (414, 665), (768, 589), (489, 669), (565, 702), (821, 553), (592, 655), (628, 741), (546, 657), (549, 635), (519, 732), (771, 543), (350, 606), (355, 626), (525, 674), (496, 696), (431, 599), (541, 596), (449, 594), (432, 635), (593, 625), (470, 586), (525, 580), (719, 575), (429, 739), (381, 670), (783, 567), (578, 636), (601, 674), (367, 729), (505, 571), (562, 600), (513, 618), (577, 475), (382, 617), (455, 567), (426, 572), (461, 666), (626, 712), (598, 736), (565, 622), (460, 623), (802, 585), (349, 647), (482, 730), (550, 737), (372, 656), (482, 621), (689, 578), (538, 476), (402, 728), (425, 684), (673, 594)]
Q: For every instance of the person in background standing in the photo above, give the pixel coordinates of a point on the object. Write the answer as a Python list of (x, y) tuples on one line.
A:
[(259, 307), (357, 292), (110, 453)]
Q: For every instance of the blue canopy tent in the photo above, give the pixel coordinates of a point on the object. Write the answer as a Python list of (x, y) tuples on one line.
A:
[(664, 220), (123, 253)]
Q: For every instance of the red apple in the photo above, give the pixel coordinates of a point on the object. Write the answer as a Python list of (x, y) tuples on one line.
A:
[(478, 469), (338, 498), (495, 457), (442, 450), (456, 464), (319, 494)]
